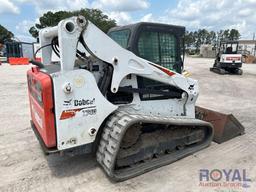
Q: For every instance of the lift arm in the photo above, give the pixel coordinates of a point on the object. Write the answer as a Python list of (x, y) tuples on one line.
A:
[(72, 30)]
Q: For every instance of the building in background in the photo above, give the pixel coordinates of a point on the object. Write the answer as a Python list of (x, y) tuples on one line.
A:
[(19, 49), (248, 47), (207, 51), (19, 53)]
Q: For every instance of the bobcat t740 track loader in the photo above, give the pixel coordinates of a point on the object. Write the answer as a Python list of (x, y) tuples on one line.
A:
[(129, 104)]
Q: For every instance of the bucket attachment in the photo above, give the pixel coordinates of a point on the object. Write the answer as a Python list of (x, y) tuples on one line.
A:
[(226, 126)]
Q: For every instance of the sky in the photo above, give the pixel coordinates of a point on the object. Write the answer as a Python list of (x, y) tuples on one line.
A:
[(19, 15)]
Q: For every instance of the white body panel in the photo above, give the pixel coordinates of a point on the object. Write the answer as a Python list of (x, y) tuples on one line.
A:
[(231, 58), (164, 108), (74, 131)]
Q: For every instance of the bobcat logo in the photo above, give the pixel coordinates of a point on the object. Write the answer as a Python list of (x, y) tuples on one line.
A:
[(67, 103), (83, 102)]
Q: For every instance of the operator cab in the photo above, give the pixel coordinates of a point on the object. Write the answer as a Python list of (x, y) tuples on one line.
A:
[(229, 47), (158, 43)]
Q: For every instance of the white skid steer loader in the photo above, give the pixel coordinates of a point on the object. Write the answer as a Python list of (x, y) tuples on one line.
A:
[(135, 115)]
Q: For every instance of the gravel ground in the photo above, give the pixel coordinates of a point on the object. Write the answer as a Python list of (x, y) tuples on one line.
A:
[(23, 166)]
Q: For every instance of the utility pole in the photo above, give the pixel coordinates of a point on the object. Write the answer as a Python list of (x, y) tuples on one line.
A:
[(255, 43)]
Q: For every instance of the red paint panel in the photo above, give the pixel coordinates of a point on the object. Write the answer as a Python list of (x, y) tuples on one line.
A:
[(165, 70), (18, 61), (41, 105), (233, 58), (38, 59), (66, 114)]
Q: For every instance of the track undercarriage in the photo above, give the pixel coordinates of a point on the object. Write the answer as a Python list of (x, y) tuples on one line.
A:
[(223, 71), (218, 68), (134, 144)]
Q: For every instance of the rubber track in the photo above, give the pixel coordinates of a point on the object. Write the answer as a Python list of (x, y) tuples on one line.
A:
[(218, 70), (114, 131), (223, 71)]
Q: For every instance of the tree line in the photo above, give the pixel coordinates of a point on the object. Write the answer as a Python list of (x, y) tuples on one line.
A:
[(194, 39), (5, 35), (51, 19)]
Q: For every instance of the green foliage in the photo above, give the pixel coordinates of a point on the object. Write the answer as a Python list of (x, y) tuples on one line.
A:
[(194, 39), (189, 39), (50, 19), (197, 38), (227, 34), (34, 32), (5, 35), (234, 34)]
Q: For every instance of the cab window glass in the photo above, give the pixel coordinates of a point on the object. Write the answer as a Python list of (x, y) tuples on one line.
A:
[(158, 47), (121, 37)]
